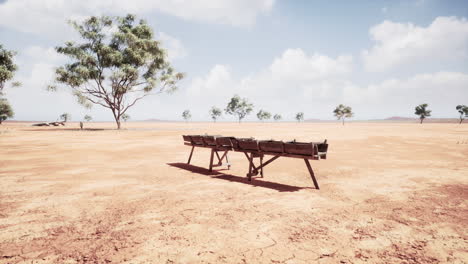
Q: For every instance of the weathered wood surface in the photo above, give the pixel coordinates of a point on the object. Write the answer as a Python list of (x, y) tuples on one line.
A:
[(258, 149)]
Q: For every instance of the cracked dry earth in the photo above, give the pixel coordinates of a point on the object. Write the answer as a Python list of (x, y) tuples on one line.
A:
[(390, 193)]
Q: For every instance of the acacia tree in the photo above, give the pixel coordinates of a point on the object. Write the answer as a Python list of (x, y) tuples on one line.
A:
[(277, 117), (117, 64), (422, 112), (65, 117), (215, 113), (7, 67), (239, 107), (463, 110), (5, 110), (342, 112), (300, 116), (186, 115), (263, 115)]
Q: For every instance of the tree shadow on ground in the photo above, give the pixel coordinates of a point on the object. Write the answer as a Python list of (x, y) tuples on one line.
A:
[(256, 182)]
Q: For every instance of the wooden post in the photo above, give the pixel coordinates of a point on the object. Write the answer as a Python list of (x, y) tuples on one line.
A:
[(211, 160), (312, 175), (261, 165), (190, 157), (249, 176)]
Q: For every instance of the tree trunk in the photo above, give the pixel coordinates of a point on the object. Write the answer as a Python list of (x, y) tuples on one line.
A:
[(461, 120), (421, 120), (343, 120), (1, 121)]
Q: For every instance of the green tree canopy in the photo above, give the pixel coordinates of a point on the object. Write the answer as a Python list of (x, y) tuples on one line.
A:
[(277, 117), (342, 112), (300, 116), (88, 118), (422, 111), (186, 115), (116, 64), (215, 113), (239, 107), (463, 110), (263, 115), (5, 110), (7, 67)]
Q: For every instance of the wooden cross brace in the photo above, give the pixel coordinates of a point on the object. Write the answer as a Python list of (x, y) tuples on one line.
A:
[(253, 170), (213, 152)]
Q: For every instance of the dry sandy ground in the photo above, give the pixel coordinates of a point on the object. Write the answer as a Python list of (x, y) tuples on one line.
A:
[(390, 193)]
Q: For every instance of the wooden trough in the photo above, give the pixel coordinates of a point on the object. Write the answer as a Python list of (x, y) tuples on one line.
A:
[(258, 149)]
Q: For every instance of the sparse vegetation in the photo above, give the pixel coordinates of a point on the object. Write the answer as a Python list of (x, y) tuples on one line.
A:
[(300, 117), (239, 107), (215, 113), (342, 112), (186, 115), (5, 110), (263, 115), (117, 64), (7, 67), (125, 117), (88, 118), (277, 117), (422, 111), (463, 110), (65, 117)]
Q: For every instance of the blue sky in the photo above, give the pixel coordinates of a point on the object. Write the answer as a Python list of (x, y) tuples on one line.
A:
[(380, 57)]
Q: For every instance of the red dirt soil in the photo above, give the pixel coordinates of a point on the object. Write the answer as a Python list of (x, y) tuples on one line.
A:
[(390, 193)]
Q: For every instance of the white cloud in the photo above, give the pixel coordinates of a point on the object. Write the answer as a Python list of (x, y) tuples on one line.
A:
[(174, 47), (446, 38), (441, 90), (217, 82), (290, 83), (49, 16)]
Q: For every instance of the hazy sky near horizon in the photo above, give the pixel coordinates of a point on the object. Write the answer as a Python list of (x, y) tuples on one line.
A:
[(380, 57)]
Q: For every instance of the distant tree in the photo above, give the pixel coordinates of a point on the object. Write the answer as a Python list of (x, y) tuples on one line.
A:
[(5, 110), (300, 116), (7, 67), (125, 117), (239, 107), (342, 112), (186, 115), (65, 117), (215, 113), (117, 64), (463, 110), (88, 118), (263, 115), (277, 117), (422, 111)]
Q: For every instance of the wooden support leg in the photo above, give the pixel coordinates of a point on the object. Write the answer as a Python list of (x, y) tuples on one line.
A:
[(227, 161), (191, 153), (261, 166), (211, 159), (312, 175), (249, 175)]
